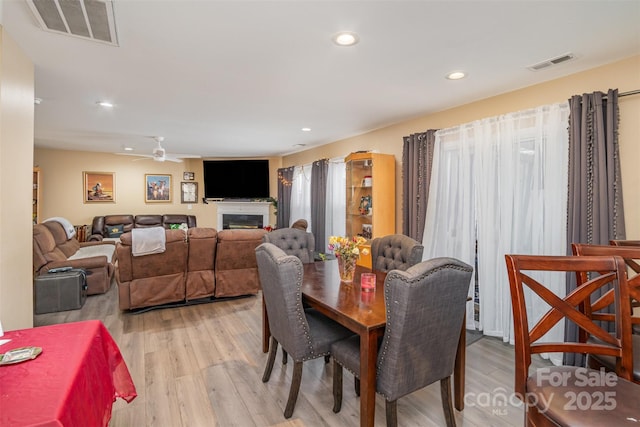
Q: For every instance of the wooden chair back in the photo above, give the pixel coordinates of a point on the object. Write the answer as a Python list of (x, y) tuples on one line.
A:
[(631, 255), (606, 270)]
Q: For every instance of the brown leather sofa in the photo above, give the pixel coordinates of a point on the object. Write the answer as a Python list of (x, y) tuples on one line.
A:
[(53, 249), (205, 264), (101, 225), (236, 267)]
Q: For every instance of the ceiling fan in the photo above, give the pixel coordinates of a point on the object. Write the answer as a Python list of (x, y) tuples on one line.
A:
[(159, 154)]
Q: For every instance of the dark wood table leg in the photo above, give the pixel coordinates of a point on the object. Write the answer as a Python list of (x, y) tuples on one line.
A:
[(458, 370), (266, 332), (368, 358)]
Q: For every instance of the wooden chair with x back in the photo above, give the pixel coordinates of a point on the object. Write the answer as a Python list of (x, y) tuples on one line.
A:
[(556, 396)]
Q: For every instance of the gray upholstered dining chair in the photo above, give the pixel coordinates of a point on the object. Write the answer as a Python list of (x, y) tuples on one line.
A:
[(395, 252), (293, 241), (303, 334), (425, 309)]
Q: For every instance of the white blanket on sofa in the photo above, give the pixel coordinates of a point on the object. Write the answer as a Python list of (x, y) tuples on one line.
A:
[(66, 224), (147, 241)]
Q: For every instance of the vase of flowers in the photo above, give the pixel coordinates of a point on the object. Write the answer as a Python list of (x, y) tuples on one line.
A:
[(347, 251)]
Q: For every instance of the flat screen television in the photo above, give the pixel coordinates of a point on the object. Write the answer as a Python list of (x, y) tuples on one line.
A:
[(236, 179)]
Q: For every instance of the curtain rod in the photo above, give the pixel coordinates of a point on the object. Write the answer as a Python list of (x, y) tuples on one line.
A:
[(631, 92)]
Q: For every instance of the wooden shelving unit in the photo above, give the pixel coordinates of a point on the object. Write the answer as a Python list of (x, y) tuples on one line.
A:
[(35, 217), (371, 197)]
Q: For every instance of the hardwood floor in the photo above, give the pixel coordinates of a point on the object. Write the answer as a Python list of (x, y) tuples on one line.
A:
[(202, 365)]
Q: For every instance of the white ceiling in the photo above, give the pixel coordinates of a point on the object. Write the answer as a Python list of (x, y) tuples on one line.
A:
[(241, 78)]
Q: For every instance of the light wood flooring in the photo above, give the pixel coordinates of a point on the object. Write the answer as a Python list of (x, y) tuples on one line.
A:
[(201, 365)]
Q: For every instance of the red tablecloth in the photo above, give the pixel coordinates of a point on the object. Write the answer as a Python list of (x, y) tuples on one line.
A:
[(74, 382)]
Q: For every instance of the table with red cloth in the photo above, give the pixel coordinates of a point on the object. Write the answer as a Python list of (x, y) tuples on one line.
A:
[(74, 382)]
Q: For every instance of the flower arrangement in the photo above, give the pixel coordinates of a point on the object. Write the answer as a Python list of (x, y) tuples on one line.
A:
[(346, 247), (347, 250)]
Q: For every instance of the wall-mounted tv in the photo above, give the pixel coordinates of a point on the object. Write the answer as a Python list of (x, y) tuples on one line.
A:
[(236, 179)]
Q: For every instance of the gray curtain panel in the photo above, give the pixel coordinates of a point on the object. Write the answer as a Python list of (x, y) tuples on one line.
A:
[(417, 159), (285, 177), (319, 171), (595, 209)]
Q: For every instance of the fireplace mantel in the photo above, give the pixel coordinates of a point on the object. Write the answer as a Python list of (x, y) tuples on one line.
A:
[(243, 208)]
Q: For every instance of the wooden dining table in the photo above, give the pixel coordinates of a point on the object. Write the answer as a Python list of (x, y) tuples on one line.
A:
[(364, 313)]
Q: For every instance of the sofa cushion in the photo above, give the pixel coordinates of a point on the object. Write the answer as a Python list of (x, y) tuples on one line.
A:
[(125, 220), (62, 242), (115, 230), (95, 250), (142, 221)]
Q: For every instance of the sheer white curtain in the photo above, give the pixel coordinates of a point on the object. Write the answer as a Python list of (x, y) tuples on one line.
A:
[(503, 182), (301, 195), (335, 224)]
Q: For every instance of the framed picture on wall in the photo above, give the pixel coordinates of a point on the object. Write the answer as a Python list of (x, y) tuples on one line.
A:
[(157, 188), (188, 176), (189, 192), (99, 187)]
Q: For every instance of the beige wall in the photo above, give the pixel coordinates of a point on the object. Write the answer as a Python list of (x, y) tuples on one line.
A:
[(16, 160), (62, 186), (624, 75)]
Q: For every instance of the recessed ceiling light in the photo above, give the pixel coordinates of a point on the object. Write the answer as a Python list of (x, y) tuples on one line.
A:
[(128, 149), (306, 129), (456, 75), (105, 104), (346, 38), (299, 145), (37, 101)]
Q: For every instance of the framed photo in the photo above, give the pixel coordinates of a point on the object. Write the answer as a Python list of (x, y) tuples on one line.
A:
[(188, 176), (99, 187), (157, 188), (189, 192)]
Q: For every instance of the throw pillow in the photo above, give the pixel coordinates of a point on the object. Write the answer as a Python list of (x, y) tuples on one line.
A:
[(174, 226), (115, 230)]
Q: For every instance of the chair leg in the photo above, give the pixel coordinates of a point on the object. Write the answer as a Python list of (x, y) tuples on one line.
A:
[(337, 386), (391, 409), (447, 406), (273, 349), (356, 385), (284, 357), (295, 387)]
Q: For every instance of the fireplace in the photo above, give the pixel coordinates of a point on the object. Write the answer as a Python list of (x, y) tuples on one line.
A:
[(235, 221), (242, 215)]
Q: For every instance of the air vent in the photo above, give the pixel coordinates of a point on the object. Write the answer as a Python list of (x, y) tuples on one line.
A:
[(88, 19), (553, 61)]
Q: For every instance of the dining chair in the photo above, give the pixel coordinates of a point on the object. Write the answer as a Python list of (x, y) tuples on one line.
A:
[(395, 252), (303, 334), (624, 242), (595, 309), (425, 308), (293, 241), (568, 395)]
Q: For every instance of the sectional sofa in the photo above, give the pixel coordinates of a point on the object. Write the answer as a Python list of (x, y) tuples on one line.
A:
[(112, 226), (196, 264)]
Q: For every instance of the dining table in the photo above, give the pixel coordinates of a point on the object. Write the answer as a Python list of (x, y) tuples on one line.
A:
[(364, 313)]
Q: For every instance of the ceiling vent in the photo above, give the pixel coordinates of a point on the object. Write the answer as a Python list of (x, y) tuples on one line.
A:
[(88, 19), (553, 61)]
